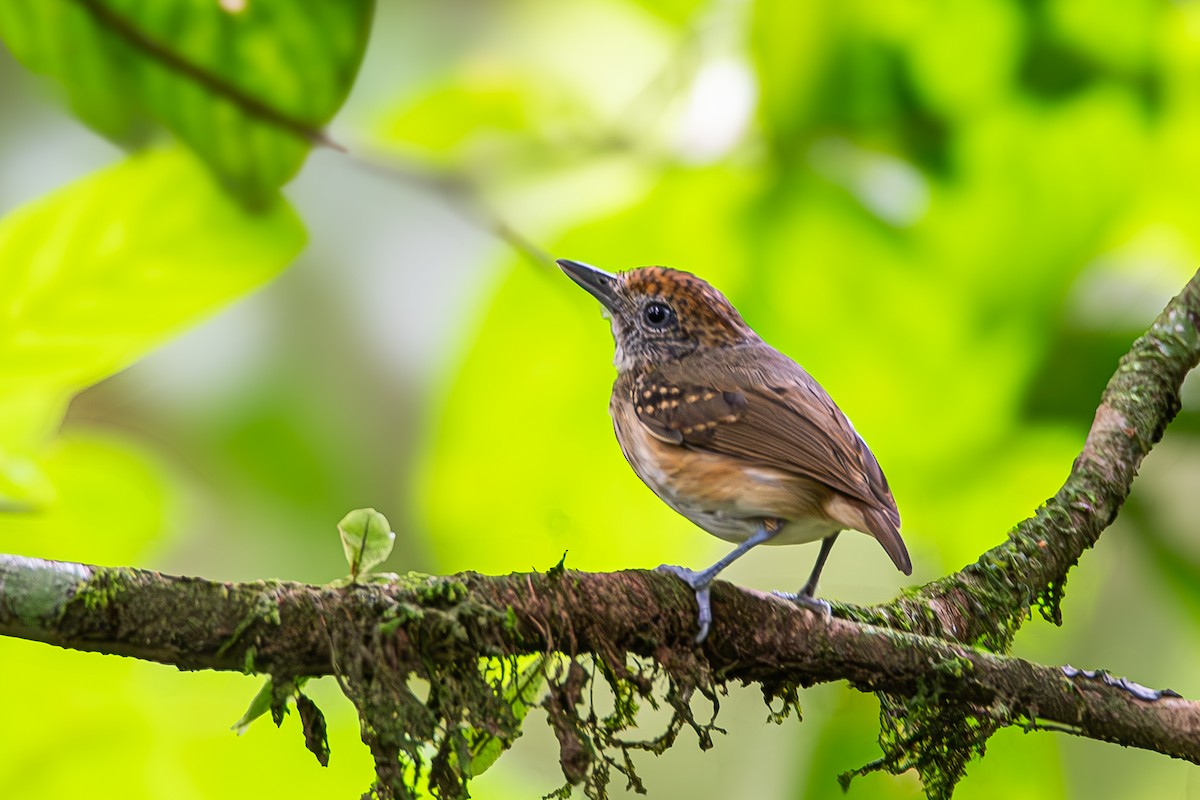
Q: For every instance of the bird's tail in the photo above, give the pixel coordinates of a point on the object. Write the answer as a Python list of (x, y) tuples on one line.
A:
[(882, 522), (884, 529)]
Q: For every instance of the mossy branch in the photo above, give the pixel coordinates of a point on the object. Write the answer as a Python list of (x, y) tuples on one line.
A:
[(285, 629), (935, 655), (987, 601)]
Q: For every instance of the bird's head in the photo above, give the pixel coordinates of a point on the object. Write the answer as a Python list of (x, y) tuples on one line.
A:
[(660, 315)]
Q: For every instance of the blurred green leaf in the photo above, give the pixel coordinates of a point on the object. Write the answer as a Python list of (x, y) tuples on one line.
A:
[(112, 500), (676, 12), (961, 57), (467, 118), (1120, 33), (26, 417), (260, 704), (273, 696), (476, 750), (97, 274), (520, 691), (1177, 569), (367, 540), (553, 95), (792, 44), (247, 85)]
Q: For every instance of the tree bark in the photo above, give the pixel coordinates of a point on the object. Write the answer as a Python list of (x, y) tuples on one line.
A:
[(278, 627)]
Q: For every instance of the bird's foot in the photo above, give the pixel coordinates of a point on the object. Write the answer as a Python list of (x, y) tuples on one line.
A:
[(808, 601), (701, 584)]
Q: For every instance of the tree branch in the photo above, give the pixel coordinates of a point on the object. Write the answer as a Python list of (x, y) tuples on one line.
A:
[(269, 626), (986, 602)]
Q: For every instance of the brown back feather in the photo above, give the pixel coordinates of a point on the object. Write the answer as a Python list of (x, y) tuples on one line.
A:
[(755, 404)]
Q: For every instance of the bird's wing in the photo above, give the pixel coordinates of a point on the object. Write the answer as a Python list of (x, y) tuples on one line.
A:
[(767, 411)]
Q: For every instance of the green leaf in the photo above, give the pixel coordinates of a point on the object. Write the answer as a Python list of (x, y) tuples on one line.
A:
[(367, 540), (468, 119), (520, 691), (316, 732), (792, 44), (273, 697), (676, 12), (259, 705), (112, 500), (247, 85), (26, 417), (97, 274)]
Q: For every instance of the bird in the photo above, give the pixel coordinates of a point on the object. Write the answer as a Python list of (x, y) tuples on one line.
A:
[(730, 432)]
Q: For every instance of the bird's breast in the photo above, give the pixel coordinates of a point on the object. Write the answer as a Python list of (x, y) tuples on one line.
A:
[(726, 496)]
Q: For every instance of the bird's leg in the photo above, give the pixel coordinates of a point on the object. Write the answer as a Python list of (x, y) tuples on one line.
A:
[(805, 597), (810, 586), (701, 582)]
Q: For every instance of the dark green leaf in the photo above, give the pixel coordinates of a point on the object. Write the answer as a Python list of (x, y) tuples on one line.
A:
[(247, 85), (316, 737)]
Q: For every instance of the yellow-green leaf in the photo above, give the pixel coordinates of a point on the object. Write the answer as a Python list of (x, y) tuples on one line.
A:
[(367, 540), (98, 273)]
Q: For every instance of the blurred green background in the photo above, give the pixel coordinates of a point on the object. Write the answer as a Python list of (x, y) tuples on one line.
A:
[(956, 215)]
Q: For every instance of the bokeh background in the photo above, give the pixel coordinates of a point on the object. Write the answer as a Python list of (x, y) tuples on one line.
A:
[(956, 215)]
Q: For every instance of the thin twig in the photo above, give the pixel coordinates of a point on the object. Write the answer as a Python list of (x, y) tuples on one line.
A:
[(461, 193)]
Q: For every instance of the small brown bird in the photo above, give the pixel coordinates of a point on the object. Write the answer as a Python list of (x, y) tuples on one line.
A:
[(730, 432)]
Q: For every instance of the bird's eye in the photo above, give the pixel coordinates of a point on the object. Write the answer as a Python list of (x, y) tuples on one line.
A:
[(657, 315)]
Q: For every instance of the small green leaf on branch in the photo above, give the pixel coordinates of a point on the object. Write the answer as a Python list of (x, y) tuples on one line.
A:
[(273, 697), (316, 737), (367, 540)]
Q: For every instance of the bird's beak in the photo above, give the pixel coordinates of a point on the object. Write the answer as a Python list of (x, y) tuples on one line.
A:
[(600, 284)]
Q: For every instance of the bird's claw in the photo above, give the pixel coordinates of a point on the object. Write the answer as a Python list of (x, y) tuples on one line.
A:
[(808, 601), (701, 584)]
